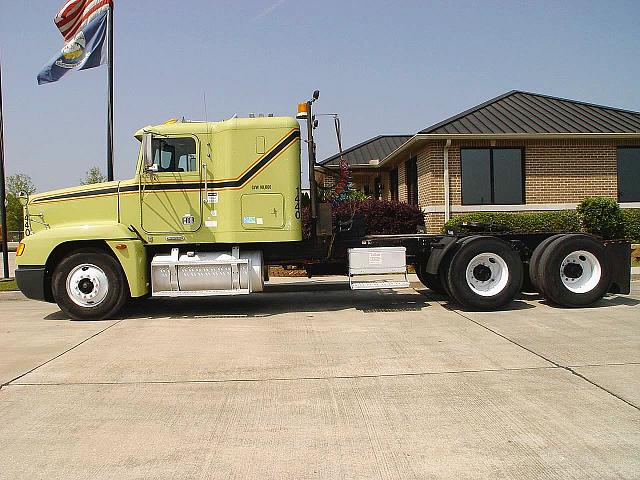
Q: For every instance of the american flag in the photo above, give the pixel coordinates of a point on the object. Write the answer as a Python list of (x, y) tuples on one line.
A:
[(75, 14)]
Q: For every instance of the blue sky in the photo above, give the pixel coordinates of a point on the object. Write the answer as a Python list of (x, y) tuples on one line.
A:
[(391, 67)]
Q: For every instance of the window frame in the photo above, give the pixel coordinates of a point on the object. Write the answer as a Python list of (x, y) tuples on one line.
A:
[(618, 148), (491, 175), (413, 161), (195, 138)]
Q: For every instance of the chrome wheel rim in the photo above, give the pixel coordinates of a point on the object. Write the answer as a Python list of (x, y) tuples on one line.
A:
[(580, 271), (487, 274), (87, 285)]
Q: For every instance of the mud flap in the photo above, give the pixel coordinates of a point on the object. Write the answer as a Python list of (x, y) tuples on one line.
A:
[(619, 258)]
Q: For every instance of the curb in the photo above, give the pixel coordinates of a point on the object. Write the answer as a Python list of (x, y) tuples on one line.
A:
[(15, 295)]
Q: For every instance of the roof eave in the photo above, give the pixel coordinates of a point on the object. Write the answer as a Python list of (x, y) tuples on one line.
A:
[(504, 136), (356, 166), (425, 137)]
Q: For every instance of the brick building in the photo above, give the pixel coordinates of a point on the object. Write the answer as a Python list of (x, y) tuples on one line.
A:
[(517, 152), (364, 160)]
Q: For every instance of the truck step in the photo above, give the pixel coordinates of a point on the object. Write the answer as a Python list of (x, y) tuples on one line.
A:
[(369, 266), (377, 284), (201, 293)]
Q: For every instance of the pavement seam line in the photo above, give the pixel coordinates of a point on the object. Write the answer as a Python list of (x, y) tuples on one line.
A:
[(60, 354), (283, 379), (569, 369)]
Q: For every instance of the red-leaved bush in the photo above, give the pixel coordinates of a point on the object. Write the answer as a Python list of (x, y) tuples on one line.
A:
[(381, 217)]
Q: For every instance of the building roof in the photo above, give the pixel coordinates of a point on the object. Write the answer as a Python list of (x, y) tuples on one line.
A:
[(533, 113), (369, 152)]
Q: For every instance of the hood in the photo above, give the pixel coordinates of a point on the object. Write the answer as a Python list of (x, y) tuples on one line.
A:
[(83, 205)]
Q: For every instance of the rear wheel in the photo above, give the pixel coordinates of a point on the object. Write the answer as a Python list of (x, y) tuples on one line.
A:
[(485, 273), (429, 280), (89, 285), (534, 262), (574, 271)]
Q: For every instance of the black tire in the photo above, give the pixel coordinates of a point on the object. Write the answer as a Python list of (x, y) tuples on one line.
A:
[(534, 262), (496, 250), (117, 289), (566, 293), (429, 280)]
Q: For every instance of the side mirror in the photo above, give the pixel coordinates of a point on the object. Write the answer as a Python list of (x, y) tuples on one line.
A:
[(23, 198), (147, 151)]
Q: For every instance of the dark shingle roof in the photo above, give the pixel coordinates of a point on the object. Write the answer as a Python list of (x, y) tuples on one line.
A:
[(373, 149), (524, 112)]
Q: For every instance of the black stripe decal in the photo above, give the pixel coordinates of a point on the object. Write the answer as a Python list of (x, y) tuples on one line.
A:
[(188, 186), (253, 170), (101, 191)]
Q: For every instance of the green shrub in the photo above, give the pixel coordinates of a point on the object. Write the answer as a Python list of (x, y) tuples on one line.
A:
[(631, 219), (597, 215), (601, 216), (528, 222)]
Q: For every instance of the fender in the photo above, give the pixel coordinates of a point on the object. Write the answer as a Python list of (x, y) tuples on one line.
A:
[(38, 246), (132, 258), (439, 251)]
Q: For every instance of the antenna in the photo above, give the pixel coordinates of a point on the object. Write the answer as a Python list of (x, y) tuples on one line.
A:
[(204, 101)]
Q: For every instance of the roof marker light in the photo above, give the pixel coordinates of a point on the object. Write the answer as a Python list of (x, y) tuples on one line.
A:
[(303, 111)]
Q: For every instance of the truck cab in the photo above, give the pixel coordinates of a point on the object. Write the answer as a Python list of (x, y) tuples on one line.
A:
[(205, 187)]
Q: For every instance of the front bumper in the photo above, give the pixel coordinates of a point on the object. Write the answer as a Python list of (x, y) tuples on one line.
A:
[(30, 280)]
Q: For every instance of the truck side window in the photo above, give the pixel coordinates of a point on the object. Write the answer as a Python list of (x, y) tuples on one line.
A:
[(175, 154)]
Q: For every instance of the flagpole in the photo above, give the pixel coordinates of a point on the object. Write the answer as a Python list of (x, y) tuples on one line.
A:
[(110, 95), (3, 193)]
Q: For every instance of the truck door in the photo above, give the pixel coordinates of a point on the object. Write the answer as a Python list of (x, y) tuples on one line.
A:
[(171, 194)]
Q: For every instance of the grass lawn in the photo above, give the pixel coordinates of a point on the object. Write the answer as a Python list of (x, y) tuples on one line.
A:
[(8, 285)]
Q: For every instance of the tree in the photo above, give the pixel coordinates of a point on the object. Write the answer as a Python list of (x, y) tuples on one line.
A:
[(17, 184), (20, 183), (94, 175)]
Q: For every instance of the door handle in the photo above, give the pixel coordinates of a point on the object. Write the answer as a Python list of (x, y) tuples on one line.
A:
[(206, 183)]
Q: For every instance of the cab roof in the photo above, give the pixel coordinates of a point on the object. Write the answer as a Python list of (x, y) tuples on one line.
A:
[(191, 127)]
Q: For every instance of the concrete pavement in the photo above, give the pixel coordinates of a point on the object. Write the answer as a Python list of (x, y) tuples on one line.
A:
[(326, 383)]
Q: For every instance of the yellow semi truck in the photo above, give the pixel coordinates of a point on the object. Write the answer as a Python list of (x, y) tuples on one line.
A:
[(213, 204)]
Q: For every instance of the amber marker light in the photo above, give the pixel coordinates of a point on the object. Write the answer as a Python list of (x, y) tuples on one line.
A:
[(303, 111), (121, 246), (19, 249)]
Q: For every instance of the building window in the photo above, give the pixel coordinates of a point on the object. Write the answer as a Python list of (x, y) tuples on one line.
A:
[(411, 173), (492, 176), (629, 174), (393, 184)]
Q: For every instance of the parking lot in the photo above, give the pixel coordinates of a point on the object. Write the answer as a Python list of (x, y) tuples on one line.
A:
[(311, 380)]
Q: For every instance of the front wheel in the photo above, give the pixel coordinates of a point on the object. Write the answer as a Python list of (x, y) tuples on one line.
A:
[(89, 285)]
